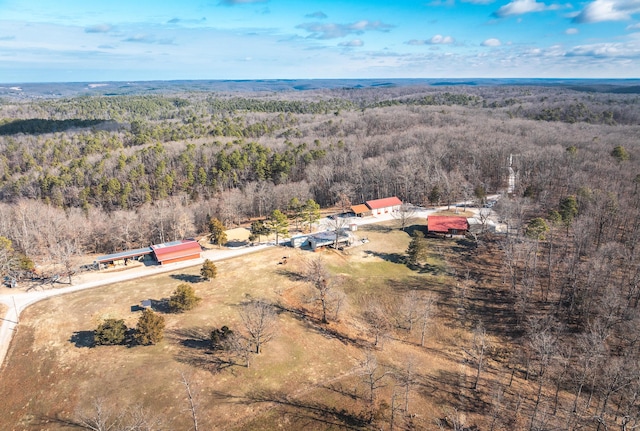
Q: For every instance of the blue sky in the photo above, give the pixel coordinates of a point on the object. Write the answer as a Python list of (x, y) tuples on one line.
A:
[(91, 40)]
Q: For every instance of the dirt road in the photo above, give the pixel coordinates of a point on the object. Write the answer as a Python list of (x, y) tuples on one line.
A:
[(17, 301)]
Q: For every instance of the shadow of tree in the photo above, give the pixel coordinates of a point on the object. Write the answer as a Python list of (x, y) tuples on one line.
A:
[(45, 421), (411, 230), (194, 338), (305, 413), (318, 327), (291, 275), (390, 257), (374, 227), (39, 126), (188, 278), (160, 305), (82, 339)]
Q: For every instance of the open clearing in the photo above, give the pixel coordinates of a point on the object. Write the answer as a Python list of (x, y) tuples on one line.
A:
[(308, 376)]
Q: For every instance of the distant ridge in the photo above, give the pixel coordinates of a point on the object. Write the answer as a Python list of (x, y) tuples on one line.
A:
[(107, 88)]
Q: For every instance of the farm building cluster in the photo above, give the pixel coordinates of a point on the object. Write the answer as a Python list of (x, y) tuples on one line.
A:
[(377, 207), (165, 253)]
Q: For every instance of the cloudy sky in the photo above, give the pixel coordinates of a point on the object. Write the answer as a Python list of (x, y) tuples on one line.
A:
[(124, 40)]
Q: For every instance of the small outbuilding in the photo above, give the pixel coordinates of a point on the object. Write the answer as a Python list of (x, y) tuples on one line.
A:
[(121, 258), (384, 206), (447, 225), (176, 251), (361, 210), (328, 238)]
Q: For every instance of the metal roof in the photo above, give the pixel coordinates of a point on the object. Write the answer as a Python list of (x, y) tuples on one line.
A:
[(360, 209), (129, 254), (384, 203), (445, 223)]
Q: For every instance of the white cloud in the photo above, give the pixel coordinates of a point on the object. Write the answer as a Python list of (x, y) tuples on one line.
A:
[(606, 50), (332, 31), (317, 15), (608, 10), (438, 39), (98, 28), (147, 38), (491, 42), (635, 26), (352, 43), (520, 7), (571, 31), (441, 40)]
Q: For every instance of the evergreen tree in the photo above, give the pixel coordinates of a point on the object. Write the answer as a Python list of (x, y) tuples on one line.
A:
[(184, 298), (208, 270), (258, 229), (620, 153), (537, 229), (278, 224), (311, 213), (150, 328), (217, 234), (110, 332), (417, 250), (568, 210)]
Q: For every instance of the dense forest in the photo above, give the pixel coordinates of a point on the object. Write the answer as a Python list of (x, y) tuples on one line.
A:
[(116, 161)]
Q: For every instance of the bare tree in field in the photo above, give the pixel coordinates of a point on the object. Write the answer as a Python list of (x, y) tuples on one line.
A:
[(324, 283), (65, 253), (191, 399), (543, 346), (409, 310), (260, 321), (405, 216), (103, 416), (100, 418), (376, 317), (337, 225), (426, 312), (373, 378), (479, 346), (407, 379)]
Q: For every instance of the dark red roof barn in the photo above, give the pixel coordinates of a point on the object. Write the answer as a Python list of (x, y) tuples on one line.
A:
[(176, 251), (455, 225)]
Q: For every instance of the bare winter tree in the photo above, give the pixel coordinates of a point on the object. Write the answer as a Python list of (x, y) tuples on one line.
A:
[(406, 215), (373, 377), (65, 254), (103, 416), (191, 399), (260, 321), (479, 346), (426, 312), (326, 295), (377, 319)]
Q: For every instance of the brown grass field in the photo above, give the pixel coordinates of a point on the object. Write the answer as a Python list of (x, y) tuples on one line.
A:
[(307, 377)]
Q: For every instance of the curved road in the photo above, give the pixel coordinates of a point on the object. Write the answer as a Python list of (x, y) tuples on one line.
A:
[(19, 301)]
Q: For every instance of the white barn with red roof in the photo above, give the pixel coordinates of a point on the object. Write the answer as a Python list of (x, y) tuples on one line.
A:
[(384, 206)]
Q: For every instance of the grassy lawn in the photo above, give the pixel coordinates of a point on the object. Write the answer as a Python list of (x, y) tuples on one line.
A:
[(308, 375)]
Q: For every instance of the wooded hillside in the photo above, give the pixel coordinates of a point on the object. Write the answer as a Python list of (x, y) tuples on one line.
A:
[(102, 174)]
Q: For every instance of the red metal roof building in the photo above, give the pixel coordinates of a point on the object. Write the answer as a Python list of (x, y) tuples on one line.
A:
[(385, 205), (453, 225), (176, 251)]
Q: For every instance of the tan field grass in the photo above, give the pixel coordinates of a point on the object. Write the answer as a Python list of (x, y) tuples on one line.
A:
[(307, 377)]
